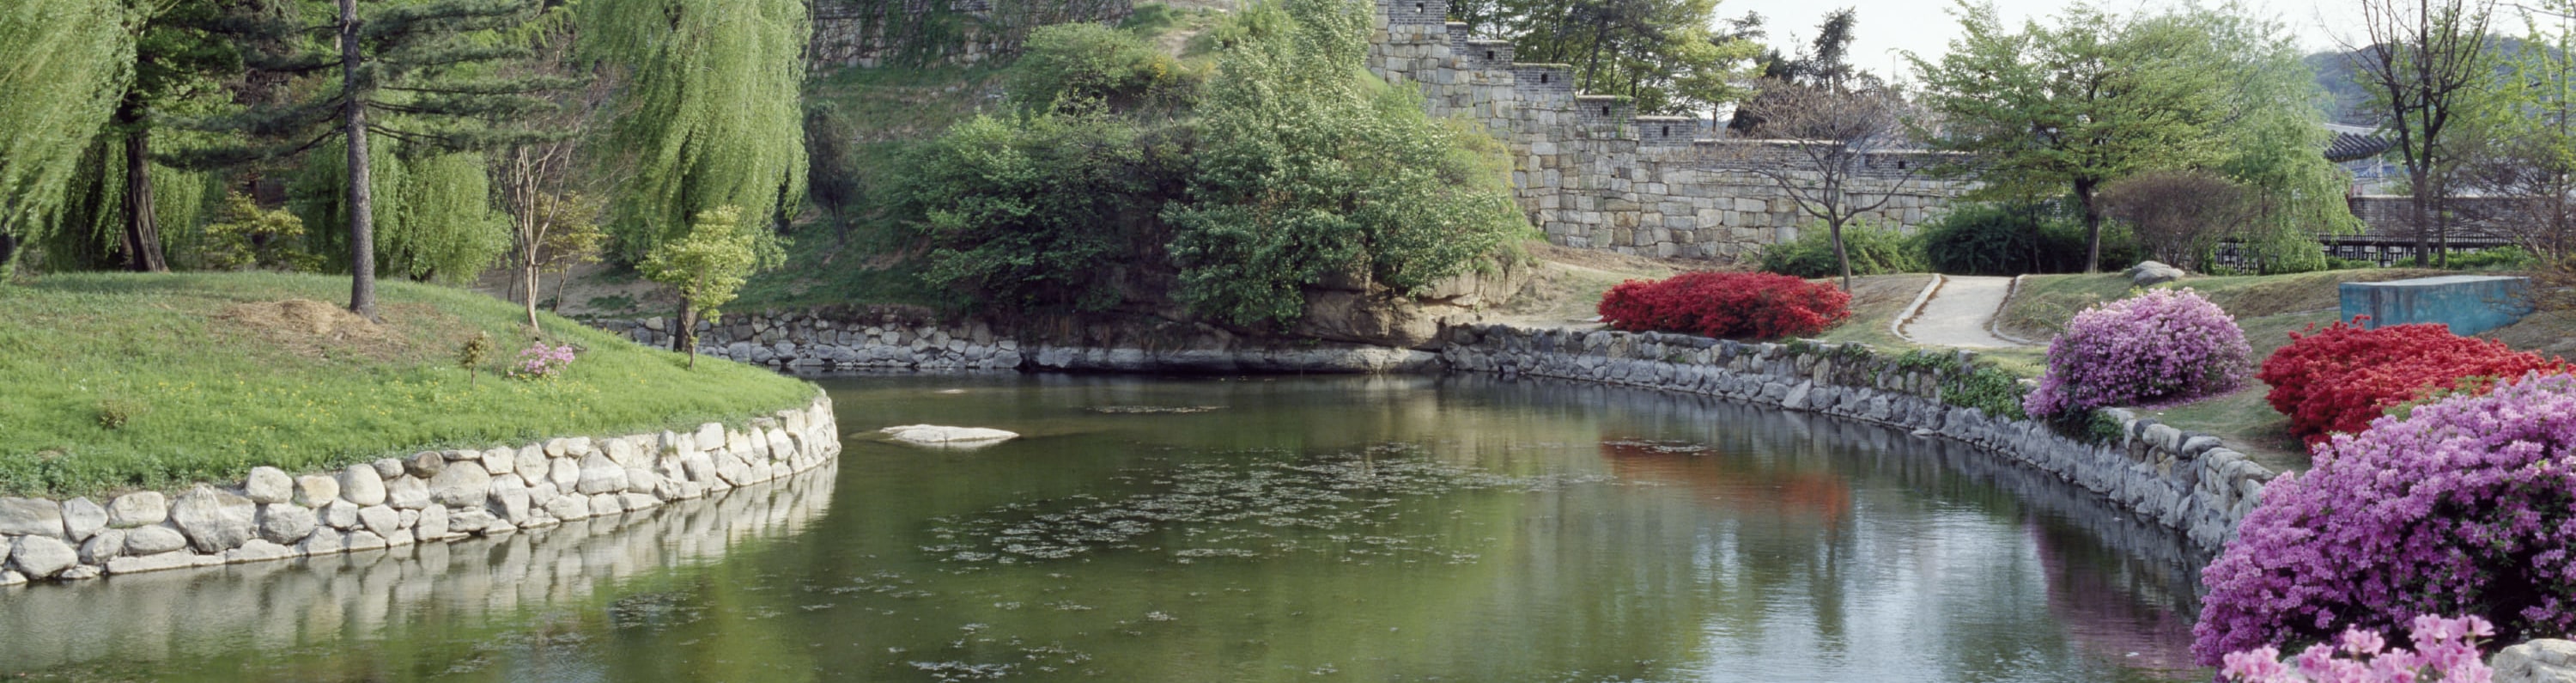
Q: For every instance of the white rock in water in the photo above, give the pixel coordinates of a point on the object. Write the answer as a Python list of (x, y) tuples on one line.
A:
[(949, 437)]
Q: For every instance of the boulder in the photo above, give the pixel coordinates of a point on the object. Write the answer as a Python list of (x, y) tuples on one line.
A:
[(107, 544), (268, 485), (407, 493), (215, 521), (565, 473), (31, 517), (144, 508), (41, 557), (2153, 273), (381, 519), (948, 437), (82, 518), (465, 485), (362, 485), (425, 464), (432, 524), (2538, 661), (340, 514), (314, 490), (600, 475), (286, 523), (529, 462), (153, 540), (500, 461)]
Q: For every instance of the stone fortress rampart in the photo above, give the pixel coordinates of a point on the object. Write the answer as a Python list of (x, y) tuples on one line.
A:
[(1592, 173)]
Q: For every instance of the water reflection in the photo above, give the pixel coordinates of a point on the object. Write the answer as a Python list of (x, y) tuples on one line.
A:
[(1370, 529)]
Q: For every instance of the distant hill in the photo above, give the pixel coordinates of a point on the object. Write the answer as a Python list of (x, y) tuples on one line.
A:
[(2347, 101)]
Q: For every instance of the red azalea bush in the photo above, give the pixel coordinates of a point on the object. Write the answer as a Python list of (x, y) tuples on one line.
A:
[(2340, 378), (1726, 305), (2466, 505)]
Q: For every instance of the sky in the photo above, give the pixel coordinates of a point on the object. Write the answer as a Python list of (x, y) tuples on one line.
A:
[(1887, 27)]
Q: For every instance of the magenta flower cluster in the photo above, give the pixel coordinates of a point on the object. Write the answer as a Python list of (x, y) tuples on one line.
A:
[(2446, 650), (2159, 347), (540, 361), (2462, 506)]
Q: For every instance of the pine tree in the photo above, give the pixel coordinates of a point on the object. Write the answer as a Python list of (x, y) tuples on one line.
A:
[(422, 73)]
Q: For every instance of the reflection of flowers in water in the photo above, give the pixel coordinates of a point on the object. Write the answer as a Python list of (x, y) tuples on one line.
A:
[(1726, 482), (1235, 508), (2112, 611)]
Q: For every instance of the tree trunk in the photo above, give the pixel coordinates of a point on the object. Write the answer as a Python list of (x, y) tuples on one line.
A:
[(8, 248), (684, 334), (532, 282), (1841, 256), (142, 232), (362, 229), (2092, 226), (562, 277), (2421, 219)]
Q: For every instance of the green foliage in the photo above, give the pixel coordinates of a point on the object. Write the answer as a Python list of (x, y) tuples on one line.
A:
[(113, 413), (2269, 135), (2499, 258), (1147, 20), (2071, 107), (1259, 20), (1037, 211), (709, 115), (1873, 251), (1979, 384), (2013, 239), (434, 219), (1079, 65), (1663, 54), (246, 236), (708, 265), (1306, 174), (471, 356), (68, 62), (224, 396)]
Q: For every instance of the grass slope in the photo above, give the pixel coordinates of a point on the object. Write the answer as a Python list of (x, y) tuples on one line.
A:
[(2268, 307), (218, 375)]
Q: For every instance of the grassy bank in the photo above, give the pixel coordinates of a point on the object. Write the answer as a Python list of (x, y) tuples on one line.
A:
[(212, 374)]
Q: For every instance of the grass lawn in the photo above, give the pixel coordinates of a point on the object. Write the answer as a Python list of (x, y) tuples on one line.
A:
[(2268, 307), (216, 373)]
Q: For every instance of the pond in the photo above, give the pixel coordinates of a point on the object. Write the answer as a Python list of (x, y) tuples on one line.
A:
[(1237, 529)]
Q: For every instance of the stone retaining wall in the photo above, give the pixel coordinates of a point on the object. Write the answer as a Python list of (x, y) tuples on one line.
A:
[(429, 497), (328, 601), (2178, 480)]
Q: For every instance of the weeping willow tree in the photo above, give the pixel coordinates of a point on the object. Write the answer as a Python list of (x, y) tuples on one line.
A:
[(709, 115), (434, 219), (67, 65), (2274, 139)]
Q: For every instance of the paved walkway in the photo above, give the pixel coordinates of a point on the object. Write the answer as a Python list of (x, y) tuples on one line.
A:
[(1960, 314)]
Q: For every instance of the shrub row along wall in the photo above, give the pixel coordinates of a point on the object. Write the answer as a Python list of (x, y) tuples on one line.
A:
[(856, 339), (867, 33), (286, 606), (1591, 173), (429, 497), (2178, 480)]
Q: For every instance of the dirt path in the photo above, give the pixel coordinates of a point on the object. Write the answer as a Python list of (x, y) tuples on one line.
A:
[(1961, 313)]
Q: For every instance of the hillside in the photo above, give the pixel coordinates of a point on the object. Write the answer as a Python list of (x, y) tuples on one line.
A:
[(211, 374)]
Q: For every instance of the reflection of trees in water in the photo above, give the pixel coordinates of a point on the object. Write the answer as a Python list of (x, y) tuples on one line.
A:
[(1719, 481), (424, 607), (2109, 605)]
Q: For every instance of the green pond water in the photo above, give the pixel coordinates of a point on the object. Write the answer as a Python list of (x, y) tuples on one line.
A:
[(1244, 529)]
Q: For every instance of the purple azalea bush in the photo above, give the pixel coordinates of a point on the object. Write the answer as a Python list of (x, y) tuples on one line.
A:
[(2446, 650), (540, 361), (2463, 506), (2159, 347)]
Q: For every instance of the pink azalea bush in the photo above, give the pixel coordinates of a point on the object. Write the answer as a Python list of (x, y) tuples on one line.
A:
[(2446, 650), (540, 361), (2159, 347), (2462, 506)]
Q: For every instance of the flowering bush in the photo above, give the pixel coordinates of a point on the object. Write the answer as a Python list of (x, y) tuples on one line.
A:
[(540, 361), (2465, 506), (2340, 378), (2161, 346), (2445, 650), (1726, 305)]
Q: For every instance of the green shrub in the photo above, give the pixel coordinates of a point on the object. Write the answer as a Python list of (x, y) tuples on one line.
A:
[(2499, 258), (1035, 212), (1086, 65), (1873, 252), (2017, 238), (1151, 19), (1308, 169)]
